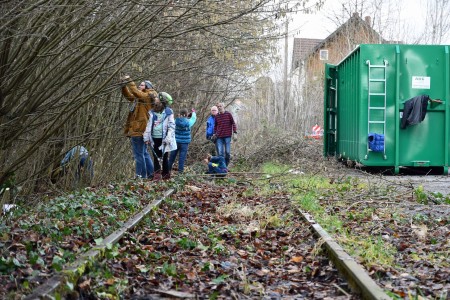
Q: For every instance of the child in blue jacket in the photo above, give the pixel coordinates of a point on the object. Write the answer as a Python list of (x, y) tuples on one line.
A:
[(183, 127), (216, 165)]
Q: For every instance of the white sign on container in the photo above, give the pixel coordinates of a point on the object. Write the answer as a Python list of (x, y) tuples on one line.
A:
[(420, 82)]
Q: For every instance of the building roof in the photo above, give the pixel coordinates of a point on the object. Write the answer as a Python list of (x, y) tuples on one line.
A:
[(301, 49), (354, 21), (304, 48)]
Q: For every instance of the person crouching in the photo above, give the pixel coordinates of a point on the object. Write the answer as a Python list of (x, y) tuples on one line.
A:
[(216, 165)]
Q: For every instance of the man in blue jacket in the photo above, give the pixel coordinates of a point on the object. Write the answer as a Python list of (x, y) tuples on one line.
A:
[(210, 129), (210, 123)]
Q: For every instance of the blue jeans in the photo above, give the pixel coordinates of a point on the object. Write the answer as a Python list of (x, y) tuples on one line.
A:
[(223, 147), (144, 164), (183, 149)]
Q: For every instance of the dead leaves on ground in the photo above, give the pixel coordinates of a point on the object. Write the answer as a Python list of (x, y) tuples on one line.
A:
[(419, 235), (41, 239), (213, 241)]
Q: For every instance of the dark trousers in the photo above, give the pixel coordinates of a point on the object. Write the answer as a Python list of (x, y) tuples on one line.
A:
[(165, 158)]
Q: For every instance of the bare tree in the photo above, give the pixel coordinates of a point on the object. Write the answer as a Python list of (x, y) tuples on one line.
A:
[(60, 64), (437, 22)]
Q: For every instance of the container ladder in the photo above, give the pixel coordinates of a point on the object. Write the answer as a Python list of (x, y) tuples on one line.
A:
[(376, 100)]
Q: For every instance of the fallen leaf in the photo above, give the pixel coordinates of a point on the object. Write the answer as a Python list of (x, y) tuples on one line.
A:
[(110, 281), (402, 246), (85, 284), (16, 246), (297, 259), (142, 268), (191, 275), (33, 237), (4, 237), (242, 253), (293, 269), (193, 188), (175, 293), (262, 272), (420, 231), (438, 286)]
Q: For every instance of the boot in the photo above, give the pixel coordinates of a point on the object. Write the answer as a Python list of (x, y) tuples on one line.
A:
[(157, 176)]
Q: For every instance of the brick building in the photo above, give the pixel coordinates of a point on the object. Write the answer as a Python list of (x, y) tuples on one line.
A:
[(339, 44), (301, 49), (309, 58)]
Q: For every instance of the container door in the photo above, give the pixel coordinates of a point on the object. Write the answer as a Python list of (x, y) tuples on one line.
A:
[(424, 71), (330, 105)]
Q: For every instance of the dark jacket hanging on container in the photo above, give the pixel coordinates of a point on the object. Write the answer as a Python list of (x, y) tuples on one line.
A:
[(414, 111)]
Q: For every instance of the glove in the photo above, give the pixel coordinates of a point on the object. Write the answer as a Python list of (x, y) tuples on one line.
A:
[(235, 137), (193, 110), (125, 80)]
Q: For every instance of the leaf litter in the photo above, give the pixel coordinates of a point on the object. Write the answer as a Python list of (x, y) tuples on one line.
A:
[(219, 242), (222, 242)]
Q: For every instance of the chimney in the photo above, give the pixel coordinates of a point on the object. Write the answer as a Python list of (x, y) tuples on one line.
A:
[(368, 20)]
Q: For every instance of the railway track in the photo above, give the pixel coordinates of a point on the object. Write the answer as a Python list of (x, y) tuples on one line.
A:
[(219, 242)]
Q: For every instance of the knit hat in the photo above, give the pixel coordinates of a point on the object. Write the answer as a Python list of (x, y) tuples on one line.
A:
[(165, 97), (148, 84)]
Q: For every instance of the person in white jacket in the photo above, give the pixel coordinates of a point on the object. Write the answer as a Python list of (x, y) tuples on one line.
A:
[(160, 135)]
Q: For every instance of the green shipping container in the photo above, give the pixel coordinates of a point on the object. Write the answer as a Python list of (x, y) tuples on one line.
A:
[(373, 91)]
